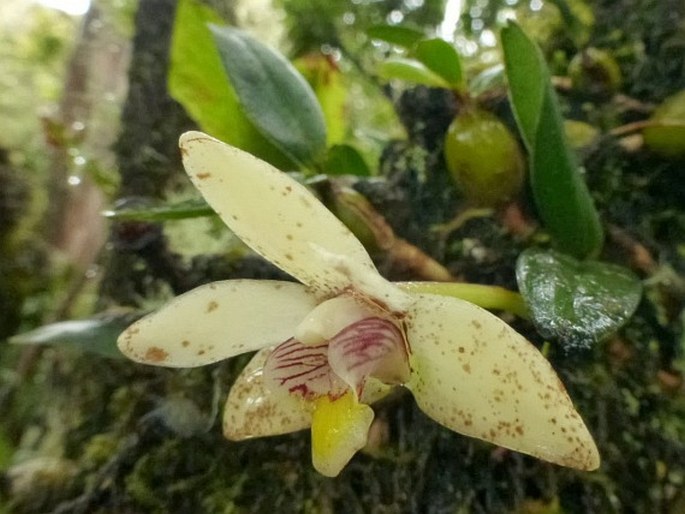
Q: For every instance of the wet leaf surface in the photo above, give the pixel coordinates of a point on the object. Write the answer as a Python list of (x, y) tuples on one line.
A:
[(577, 303)]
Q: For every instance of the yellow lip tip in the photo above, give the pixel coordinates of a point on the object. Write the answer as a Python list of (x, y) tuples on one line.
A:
[(340, 428)]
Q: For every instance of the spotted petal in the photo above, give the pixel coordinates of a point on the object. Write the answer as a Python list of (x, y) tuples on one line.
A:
[(255, 410), (217, 321), (474, 374), (273, 214)]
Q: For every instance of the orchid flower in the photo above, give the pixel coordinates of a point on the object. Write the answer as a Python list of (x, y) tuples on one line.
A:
[(344, 336)]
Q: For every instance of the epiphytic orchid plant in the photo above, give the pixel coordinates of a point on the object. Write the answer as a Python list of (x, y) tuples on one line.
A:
[(341, 339)]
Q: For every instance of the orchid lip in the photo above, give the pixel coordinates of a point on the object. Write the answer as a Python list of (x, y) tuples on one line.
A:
[(302, 370), (370, 347), (373, 347)]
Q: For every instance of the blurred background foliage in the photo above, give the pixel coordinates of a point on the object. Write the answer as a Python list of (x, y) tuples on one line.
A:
[(89, 125)]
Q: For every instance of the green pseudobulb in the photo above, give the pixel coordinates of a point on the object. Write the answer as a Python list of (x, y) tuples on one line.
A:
[(484, 158)]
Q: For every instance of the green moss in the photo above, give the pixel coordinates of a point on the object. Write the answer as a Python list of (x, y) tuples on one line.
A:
[(98, 450), (112, 420)]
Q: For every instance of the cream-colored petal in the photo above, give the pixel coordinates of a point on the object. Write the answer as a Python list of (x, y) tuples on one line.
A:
[(272, 213), (474, 374), (340, 428), (368, 282), (254, 410), (217, 321), (330, 317)]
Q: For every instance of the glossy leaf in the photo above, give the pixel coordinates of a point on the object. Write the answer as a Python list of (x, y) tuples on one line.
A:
[(95, 335), (405, 37), (411, 71), (561, 196), (442, 58), (273, 94), (197, 80), (578, 303), (193, 208), (346, 160)]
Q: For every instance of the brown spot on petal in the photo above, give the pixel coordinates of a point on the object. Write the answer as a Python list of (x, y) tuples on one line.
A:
[(156, 354), (185, 343), (211, 306), (203, 176)]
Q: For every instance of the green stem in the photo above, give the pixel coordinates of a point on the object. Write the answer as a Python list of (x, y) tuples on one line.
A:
[(488, 297), (461, 218)]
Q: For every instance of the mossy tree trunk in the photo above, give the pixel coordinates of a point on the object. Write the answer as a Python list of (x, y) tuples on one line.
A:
[(148, 160), (148, 440)]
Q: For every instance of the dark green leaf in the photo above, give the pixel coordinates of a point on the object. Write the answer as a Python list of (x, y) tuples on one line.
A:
[(404, 37), (194, 208), (528, 80), (96, 335), (578, 303), (273, 94), (197, 80), (411, 71), (561, 195), (442, 58), (345, 160)]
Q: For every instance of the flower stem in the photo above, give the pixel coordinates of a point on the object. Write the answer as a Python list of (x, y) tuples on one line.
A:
[(488, 297)]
